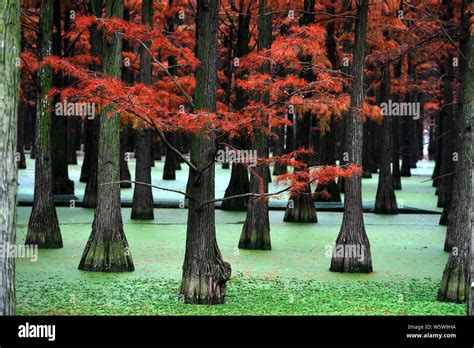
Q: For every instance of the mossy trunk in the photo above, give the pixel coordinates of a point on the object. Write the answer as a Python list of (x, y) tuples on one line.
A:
[(205, 273), (9, 94), (43, 226), (107, 248), (352, 236)]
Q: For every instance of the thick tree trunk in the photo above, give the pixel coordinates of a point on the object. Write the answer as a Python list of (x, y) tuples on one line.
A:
[(107, 248), (455, 284), (385, 201), (9, 92), (43, 226), (205, 273), (142, 194), (352, 249)]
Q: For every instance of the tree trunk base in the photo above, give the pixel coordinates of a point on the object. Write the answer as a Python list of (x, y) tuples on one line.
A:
[(105, 255), (454, 284), (279, 170), (255, 236), (43, 231), (332, 189), (386, 202), (301, 208), (207, 285), (396, 182), (63, 186), (351, 258)]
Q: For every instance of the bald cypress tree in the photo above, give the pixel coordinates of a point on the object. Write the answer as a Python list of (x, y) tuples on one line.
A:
[(352, 241), (107, 248), (205, 273), (9, 92), (43, 226)]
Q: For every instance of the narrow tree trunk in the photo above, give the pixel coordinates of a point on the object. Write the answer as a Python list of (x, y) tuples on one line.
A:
[(142, 194), (93, 126), (125, 175), (43, 226), (385, 201), (205, 273), (396, 179), (256, 230), (171, 160), (278, 168), (366, 166), (20, 148), (61, 182), (445, 182), (9, 92), (352, 236), (107, 248)]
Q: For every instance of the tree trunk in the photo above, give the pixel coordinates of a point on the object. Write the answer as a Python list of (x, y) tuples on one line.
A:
[(9, 92), (20, 148), (455, 284), (205, 273), (445, 182), (107, 248), (62, 185), (366, 166), (278, 168), (93, 126), (396, 179), (171, 160), (125, 175), (352, 236), (142, 194), (385, 201), (43, 226)]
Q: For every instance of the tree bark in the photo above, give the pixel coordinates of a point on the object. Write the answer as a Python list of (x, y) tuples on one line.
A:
[(352, 234), (455, 284), (43, 226), (9, 92), (205, 273), (142, 194), (256, 230), (385, 201), (90, 164), (62, 185), (107, 248)]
